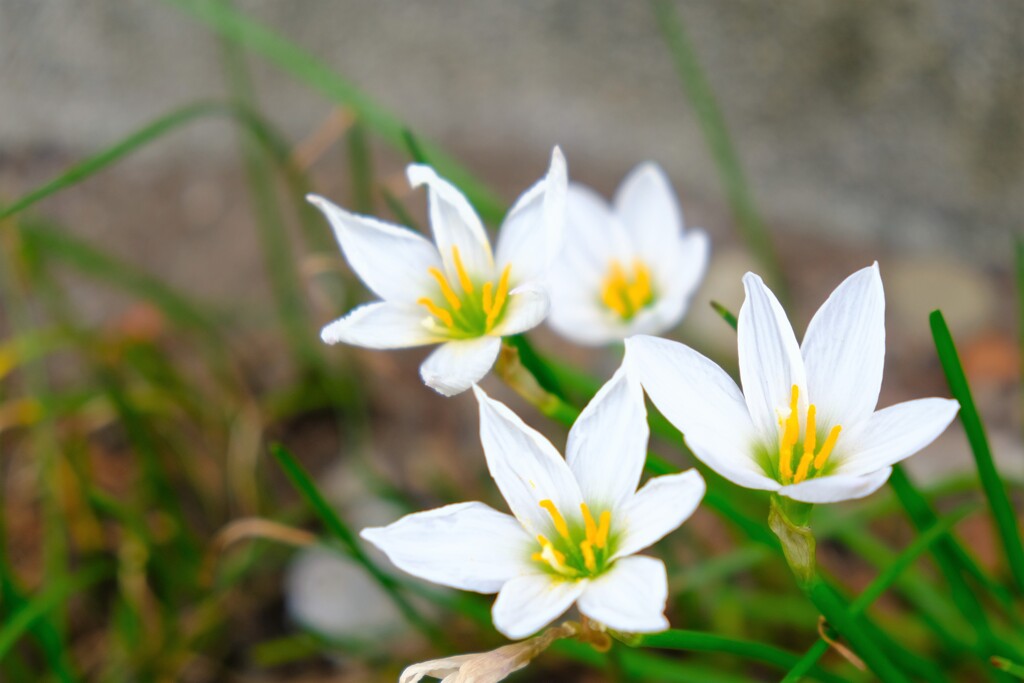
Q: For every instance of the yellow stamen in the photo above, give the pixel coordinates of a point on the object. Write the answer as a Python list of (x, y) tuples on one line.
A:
[(588, 523), (790, 435), (611, 292), (603, 528), (803, 468), (499, 296), (556, 517), (589, 561), (436, 311), (446, 289), (460, 270), (488, 301), (826, 449), (810, 432)]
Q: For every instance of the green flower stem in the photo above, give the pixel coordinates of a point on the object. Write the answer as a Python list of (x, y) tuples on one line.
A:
[(789, 519)]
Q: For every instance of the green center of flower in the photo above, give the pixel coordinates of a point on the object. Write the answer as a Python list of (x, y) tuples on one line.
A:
[(799, 458), (626, 290), (468, 309), (578, 551)]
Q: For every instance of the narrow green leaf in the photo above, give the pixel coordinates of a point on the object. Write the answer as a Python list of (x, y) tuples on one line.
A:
[(349, 543), (18, 622), (726, 314), (839, 618), (995, 490), (694, 641), (360, 168), (882, 582), (716, 134), (413, 147), (108, 156), (1012, 668)]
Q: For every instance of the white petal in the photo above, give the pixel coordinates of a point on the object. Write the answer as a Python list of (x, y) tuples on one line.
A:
[(381, 325), (703, 402), (647, 206), (526, 467), (607, 445), (469, 546), (630, 597), (770, 361), (531, 234), (844, 350), (678, 271), (657, 509), (455, 224), (528, 305), (836, 487), (577, 314), (391, 260), (594, 237), (897, 432), (528, 603), (457, 365)]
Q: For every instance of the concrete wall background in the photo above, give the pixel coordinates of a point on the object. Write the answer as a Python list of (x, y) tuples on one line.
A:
[(897, 124)]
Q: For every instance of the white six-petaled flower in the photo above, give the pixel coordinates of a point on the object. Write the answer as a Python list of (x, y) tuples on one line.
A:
[(575, 527), (805, 425), (629, 268), (455, 292)]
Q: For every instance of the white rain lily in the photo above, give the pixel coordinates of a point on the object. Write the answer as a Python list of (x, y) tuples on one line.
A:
[(455, 292), (805, 425), (629, 268), (575, 527)]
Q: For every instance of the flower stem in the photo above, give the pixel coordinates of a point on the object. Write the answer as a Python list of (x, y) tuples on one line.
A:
[(788, 519), (511, 368)]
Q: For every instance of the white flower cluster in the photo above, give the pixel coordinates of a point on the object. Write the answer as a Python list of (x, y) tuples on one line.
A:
[(804, 425)]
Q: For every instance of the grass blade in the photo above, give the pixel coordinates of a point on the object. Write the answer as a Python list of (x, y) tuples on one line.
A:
[(18, 622), (1012, 668), (238, 28), (108, 156), (340, 531), (716, 133), (694, 641), (995, 490), (881, 583), (360, 167)]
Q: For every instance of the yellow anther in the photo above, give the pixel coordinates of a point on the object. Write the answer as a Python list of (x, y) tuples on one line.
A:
[(446, 289), (588, 523), (810, 433), (499, 296), (603, 528), (826, 449), (589, 561), (460, 270), (488, 297), (438, 312), (556, 517)]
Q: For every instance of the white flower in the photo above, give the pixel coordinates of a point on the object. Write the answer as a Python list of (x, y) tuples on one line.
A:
[(805, 425), (629, 268), (577, 521), (455, 292)]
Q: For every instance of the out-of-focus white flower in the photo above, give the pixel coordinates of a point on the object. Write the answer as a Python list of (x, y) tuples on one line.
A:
[(577, 523), (629, 268), (805, 425), (455, 292)]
